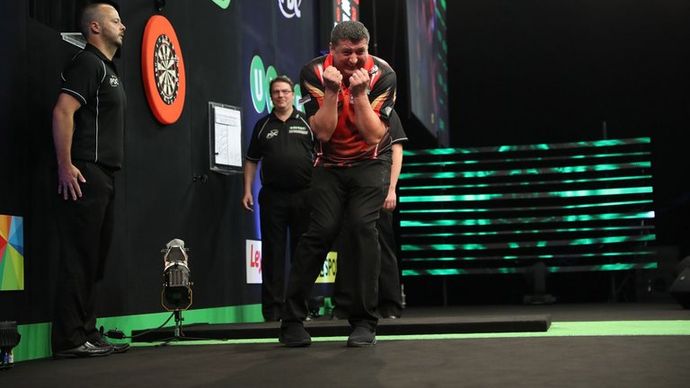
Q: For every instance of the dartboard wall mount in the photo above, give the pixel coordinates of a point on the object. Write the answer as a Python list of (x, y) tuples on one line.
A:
[(162, 69)]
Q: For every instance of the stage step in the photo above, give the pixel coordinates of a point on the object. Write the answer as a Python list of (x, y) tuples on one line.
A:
[(333, 327)]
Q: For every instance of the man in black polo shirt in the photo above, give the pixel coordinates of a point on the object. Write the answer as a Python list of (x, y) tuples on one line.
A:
[(88, 132), (390, 294), (283, 142)]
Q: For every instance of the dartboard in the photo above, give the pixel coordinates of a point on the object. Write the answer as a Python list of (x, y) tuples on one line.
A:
[(165, 69), (162, 70)]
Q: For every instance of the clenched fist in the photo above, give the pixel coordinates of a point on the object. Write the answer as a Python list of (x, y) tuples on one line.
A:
[(332, 78), (359, 81)]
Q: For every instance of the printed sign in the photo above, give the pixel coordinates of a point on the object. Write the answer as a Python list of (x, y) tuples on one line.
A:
[(253, 260), (330, 268)]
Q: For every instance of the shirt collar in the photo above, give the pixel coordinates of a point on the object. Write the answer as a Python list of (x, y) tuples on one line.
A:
[(295, 113), (93, 49)]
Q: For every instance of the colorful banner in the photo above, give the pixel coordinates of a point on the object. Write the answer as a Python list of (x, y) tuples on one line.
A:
[(11, 253)]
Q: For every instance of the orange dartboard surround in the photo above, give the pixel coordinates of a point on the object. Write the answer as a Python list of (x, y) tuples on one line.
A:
[(162, 69)]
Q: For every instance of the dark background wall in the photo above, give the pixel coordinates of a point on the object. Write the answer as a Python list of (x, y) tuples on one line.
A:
[(539, 71), (533, 71)]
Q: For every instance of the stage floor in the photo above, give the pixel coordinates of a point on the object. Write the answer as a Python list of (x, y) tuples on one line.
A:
[(592, 345)]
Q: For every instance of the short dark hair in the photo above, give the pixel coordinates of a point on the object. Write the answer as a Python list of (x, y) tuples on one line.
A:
[(281, 78), (89, 13), (351, 30)]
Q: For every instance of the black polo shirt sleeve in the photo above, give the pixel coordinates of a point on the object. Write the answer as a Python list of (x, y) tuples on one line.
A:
[(396, 129), (82, 77), (254, 153)]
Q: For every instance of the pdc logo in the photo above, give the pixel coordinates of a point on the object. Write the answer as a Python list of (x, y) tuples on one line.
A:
[(259, 82)]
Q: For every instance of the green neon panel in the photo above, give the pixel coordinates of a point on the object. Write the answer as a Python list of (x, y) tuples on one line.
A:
[(556, 146), (512, 270), (447, 163), (527, 244), (530, 231), (548, 194), (532, 208), (527, 171), (627, 165), (530, 257), (503, 221), (526, 183)]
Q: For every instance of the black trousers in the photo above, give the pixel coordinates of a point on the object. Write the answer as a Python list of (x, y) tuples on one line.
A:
[(352, 193), (389, 293), (85, 229), (282, 213)]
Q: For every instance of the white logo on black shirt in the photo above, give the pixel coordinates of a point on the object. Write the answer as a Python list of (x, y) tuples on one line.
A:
[(114, 82), (298, 129), (273, 133)]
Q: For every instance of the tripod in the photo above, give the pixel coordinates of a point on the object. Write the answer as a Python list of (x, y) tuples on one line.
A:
[(178, 334)]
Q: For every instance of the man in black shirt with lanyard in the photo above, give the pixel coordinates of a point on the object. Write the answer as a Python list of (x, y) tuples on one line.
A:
[(283, 142), (390, 294), (88, 132)]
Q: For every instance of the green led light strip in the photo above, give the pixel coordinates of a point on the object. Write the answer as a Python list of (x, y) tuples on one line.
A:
[(530, 257), (531, 208), (527, 171), (526, 195), (530, 231), (532, 147), (529, 220), (448, 163), (527, 244), (513, 270), (527, 183)]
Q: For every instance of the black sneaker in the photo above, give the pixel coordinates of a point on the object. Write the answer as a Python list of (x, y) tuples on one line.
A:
[(293, 335), (361, 337), (87, 349), (117, 348)]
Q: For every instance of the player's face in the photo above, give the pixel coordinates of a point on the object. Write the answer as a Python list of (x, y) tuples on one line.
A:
[(112, 29), (349, 56), (281, 95)]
